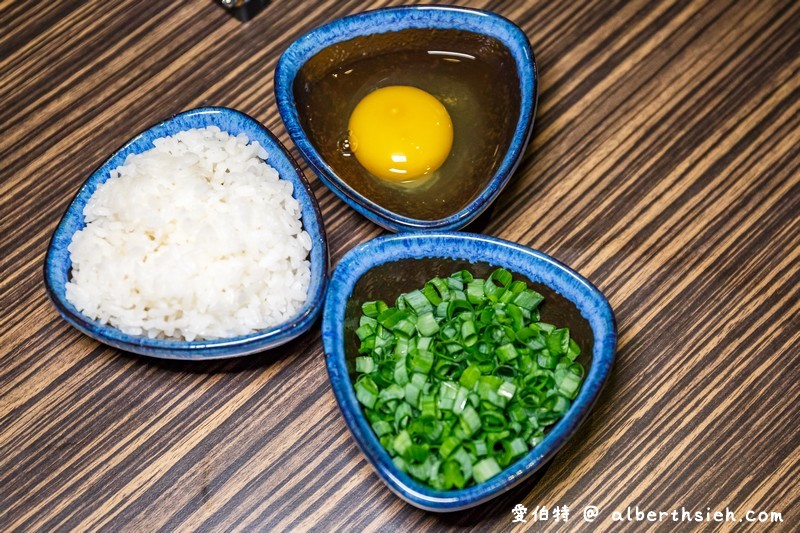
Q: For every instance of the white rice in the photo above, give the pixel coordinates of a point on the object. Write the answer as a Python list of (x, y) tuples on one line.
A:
[(197, 238)]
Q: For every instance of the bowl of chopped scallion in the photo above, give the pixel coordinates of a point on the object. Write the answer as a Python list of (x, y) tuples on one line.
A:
[(462, 363)]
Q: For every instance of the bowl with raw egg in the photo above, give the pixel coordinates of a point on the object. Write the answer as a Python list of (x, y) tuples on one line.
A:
[(415, 116)]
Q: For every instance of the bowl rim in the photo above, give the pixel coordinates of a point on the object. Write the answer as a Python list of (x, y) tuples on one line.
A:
[(199, 349), (415, 16), (517, 258)]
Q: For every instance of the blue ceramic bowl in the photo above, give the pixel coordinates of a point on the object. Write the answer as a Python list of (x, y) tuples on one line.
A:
[(396, 19), (57, 262), (387, 266)]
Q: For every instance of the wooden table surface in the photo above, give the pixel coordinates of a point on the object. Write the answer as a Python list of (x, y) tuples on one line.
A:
[(664, 167)]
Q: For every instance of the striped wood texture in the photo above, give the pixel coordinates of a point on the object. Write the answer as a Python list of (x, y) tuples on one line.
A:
[(664, 167)]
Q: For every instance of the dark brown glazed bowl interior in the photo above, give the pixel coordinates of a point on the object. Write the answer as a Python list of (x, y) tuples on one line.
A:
[(389, 280), (482, 96)]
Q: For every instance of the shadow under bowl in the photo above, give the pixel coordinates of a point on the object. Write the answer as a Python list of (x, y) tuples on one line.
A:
[(388, 266), (58, 264), (478, 64)]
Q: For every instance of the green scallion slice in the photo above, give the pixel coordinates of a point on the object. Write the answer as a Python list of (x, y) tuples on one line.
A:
[(460, 378)]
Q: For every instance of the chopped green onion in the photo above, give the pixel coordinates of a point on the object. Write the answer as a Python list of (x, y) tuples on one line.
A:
[(421, 362), (475, 293), (435, 291), (528, 299), (458, 305), (366, 391), (402, 442), (546, 360), (574, 350), (365, 364), (569, 386), (401, 348), (367, 321), (365, 331), (513, 449), (493, 420), (412, 394), (460, 378), (404, 327), (460, 402), (480, 448), (468, 333), (424, 343), (545, 328), (470, 376), (427, 325), (453, 477), (400, 463), (470, 420), (392, 392), (485, 469), (373, 309), (447, 395), (403, 414), (448, 446), (558, 341), (419, 380), (427, 405), (507, 352), (418, 302), (390, 317), (382, 427), (507, 390), (454, 283), (516, 317)]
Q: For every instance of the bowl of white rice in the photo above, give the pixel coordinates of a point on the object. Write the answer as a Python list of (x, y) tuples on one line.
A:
[(198, 239)]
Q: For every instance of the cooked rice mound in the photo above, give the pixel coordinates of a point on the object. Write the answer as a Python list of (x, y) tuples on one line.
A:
[(197, 238)]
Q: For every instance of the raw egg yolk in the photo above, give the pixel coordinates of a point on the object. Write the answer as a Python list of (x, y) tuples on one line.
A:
[(400, 133)]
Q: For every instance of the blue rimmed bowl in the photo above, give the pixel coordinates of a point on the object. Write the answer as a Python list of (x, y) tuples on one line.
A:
[(388, 266), (57, 262), (320, 52)]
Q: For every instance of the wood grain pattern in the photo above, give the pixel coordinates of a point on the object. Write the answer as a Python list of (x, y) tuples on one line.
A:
[(665, 167)]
